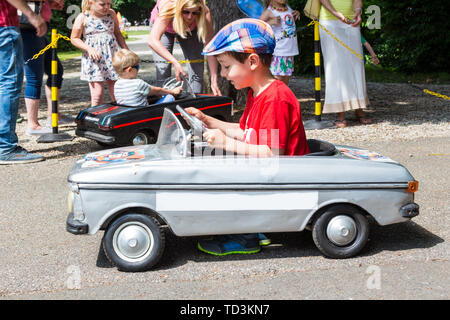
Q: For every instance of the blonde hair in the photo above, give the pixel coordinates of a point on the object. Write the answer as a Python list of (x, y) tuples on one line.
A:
[(85, 5), (124, 58), (175, 11)]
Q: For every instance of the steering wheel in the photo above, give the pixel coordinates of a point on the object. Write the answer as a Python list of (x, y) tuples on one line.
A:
[(196, 124), (172, 83)]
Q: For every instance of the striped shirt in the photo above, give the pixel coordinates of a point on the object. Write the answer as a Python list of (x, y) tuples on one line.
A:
[(131, 92), (8, 15)]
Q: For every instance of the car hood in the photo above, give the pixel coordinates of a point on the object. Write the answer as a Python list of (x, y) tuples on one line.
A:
[(153, 165)]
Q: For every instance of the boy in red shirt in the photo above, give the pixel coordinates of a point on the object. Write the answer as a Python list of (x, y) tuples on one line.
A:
[(271, 123)]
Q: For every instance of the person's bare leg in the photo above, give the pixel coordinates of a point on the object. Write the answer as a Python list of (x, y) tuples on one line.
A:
[(32, 106), (97, 93), (110, 84)]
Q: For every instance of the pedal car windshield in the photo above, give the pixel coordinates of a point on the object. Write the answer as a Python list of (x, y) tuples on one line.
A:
[(172, 136)]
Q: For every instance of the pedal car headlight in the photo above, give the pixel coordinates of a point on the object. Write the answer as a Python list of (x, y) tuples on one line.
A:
[(70, 201), (74, 188)]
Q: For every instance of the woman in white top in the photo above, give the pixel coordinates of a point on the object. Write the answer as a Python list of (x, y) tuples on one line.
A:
[(282, 18)]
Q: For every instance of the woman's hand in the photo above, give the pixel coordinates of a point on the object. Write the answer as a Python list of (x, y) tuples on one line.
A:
[(357, 18), (215, 87), (296, 14), (56, 4), (341, 17), (179, 71)]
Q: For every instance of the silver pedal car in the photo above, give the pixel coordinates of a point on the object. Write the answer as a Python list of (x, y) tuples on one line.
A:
[(135, 193)]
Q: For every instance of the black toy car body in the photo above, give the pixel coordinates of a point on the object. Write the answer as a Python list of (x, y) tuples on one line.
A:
[(119, 125)]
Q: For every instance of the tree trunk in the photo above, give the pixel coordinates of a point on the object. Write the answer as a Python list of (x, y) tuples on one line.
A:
[(224, 12)]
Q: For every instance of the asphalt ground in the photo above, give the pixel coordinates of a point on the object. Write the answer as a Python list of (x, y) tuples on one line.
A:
[(41, 260)]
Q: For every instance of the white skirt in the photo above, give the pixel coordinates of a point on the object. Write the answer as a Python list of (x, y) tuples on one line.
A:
[(345, 80)]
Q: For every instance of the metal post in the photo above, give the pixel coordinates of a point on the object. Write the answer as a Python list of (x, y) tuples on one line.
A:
[(54, 136), (317, 123)]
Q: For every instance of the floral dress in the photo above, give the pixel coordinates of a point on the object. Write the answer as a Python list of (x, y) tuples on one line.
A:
[(99, 34)]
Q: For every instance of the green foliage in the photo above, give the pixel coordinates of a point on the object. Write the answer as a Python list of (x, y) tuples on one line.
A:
[(413, 35)]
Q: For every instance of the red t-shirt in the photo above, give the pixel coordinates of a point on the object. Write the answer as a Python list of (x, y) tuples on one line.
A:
[(8, 15), (273, 118)]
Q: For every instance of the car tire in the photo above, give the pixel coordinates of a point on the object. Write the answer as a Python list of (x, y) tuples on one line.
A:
[(341, 231), (141, 138), (134, 242)]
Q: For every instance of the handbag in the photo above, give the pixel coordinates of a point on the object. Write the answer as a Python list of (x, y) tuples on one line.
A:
[(36, 7), (312, 9)]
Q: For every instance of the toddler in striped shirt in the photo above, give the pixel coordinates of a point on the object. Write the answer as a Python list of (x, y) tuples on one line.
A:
[(131, 91)]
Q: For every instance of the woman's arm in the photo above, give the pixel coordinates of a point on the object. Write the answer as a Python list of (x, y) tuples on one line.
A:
[(337, 14), (154, 41), (357, 11)]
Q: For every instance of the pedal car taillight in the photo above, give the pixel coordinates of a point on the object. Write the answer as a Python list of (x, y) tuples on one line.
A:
[(413, 186), (104, 128)]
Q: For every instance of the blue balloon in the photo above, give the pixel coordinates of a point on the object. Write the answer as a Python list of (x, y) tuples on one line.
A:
[(251, 8)]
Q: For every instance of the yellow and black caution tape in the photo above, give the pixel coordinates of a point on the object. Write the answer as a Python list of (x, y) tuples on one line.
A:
[(436, 94), (179, 61), (335, 38), (59, 36)]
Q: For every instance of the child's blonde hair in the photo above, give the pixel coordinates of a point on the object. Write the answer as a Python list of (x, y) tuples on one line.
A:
[(85, 5), (123, 59), (175, 11)]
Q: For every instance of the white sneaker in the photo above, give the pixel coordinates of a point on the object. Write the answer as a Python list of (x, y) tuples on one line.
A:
[(38, 132)]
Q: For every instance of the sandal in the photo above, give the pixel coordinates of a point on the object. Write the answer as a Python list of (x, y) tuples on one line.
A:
[(364, 120), (341, 123)]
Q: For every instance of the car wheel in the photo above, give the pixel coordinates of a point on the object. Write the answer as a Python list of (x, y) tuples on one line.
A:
[(134, 242), (341, 231), (141, 138)]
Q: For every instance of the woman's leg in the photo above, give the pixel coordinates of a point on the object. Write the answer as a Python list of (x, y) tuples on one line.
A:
[(34, 71), (97, 93), (110, 84), (192, 50), (163, 68)]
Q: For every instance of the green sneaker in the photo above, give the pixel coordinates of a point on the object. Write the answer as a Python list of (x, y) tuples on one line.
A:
[(230, 244), (263, 240)]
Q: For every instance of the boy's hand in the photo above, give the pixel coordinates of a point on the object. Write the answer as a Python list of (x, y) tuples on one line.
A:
[(215, 137), (176, 91), (296, 14), (375, 60), (196, 113)]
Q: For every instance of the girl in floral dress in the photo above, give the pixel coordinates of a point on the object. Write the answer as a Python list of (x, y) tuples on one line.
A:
[(99, 26)]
